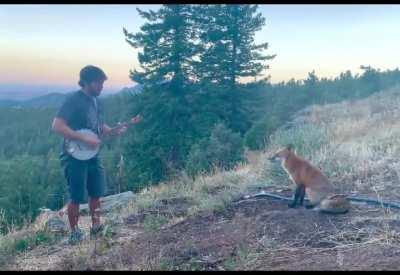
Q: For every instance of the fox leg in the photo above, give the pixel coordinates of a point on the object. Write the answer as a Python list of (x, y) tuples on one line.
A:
[(302, 194), (297, 195)]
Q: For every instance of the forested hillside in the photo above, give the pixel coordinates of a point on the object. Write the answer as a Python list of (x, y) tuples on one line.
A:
[(207, 223), (31, 175)]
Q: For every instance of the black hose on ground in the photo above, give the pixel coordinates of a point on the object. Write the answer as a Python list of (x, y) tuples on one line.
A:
[(354, 199)]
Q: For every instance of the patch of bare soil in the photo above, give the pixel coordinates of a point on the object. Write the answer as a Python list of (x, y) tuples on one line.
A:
[(170, 208), (262, 234)]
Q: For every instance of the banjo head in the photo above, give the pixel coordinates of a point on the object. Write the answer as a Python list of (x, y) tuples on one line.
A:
[(79, 150)]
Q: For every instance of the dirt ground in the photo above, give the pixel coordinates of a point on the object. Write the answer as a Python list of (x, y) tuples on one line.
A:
[(262, 234)]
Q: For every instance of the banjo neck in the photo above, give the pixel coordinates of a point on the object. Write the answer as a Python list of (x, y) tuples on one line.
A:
[(119, 126), (126, 124)]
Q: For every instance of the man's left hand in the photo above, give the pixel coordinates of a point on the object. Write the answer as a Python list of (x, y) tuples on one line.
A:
[(136, 119)]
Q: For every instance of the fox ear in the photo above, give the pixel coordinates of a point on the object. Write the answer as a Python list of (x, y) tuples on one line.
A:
[(289, 147)]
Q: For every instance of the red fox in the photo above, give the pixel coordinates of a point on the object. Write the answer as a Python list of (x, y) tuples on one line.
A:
[(311, 181)]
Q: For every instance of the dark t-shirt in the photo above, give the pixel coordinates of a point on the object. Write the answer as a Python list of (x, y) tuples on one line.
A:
[(82, 111)]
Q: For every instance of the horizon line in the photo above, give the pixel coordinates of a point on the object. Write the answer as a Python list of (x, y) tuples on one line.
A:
[(18, 87)]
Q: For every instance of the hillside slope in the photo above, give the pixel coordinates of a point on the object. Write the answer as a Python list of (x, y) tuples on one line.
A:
[(204, 224)]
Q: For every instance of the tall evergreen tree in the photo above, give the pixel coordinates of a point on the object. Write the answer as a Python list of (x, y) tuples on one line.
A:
[(228, 48), (168, 44)]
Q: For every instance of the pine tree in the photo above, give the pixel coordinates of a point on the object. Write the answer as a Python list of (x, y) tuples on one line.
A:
[(227, 39), (168, 44)]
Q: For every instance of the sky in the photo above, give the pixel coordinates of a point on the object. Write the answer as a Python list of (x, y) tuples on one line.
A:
[(47, 45)]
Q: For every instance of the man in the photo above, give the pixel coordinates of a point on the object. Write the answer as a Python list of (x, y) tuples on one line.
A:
[(82, 110)]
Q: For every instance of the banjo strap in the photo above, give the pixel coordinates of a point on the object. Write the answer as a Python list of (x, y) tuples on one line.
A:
[(99, 123)]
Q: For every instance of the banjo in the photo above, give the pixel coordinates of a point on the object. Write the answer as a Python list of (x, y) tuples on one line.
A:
[(81, 151)]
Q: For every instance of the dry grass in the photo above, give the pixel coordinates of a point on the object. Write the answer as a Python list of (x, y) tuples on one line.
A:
[(356, 144), (208, 192)]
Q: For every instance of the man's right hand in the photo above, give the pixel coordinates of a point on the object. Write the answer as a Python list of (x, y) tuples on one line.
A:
[(60, 126), (92, 142)]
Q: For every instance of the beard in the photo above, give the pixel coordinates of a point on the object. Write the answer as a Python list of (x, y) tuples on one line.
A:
[(96, 93)]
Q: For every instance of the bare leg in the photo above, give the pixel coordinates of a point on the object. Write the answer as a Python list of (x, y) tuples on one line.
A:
[(73, 215), (94, 205)]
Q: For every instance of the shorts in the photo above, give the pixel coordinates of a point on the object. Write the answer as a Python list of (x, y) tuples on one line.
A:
[(83, 175)]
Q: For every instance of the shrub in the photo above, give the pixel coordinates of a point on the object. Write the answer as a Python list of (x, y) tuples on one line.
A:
[(257, 137), (223, 149)]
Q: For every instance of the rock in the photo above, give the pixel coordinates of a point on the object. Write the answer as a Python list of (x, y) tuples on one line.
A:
[(56, 224), (51, 221), (108, 203)]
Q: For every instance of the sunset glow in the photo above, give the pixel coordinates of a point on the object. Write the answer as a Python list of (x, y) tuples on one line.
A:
[(49, 44)]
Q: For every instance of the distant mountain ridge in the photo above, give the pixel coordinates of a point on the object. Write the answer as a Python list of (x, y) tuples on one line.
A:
[(49, 100), (56, 99), (21, 92)]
